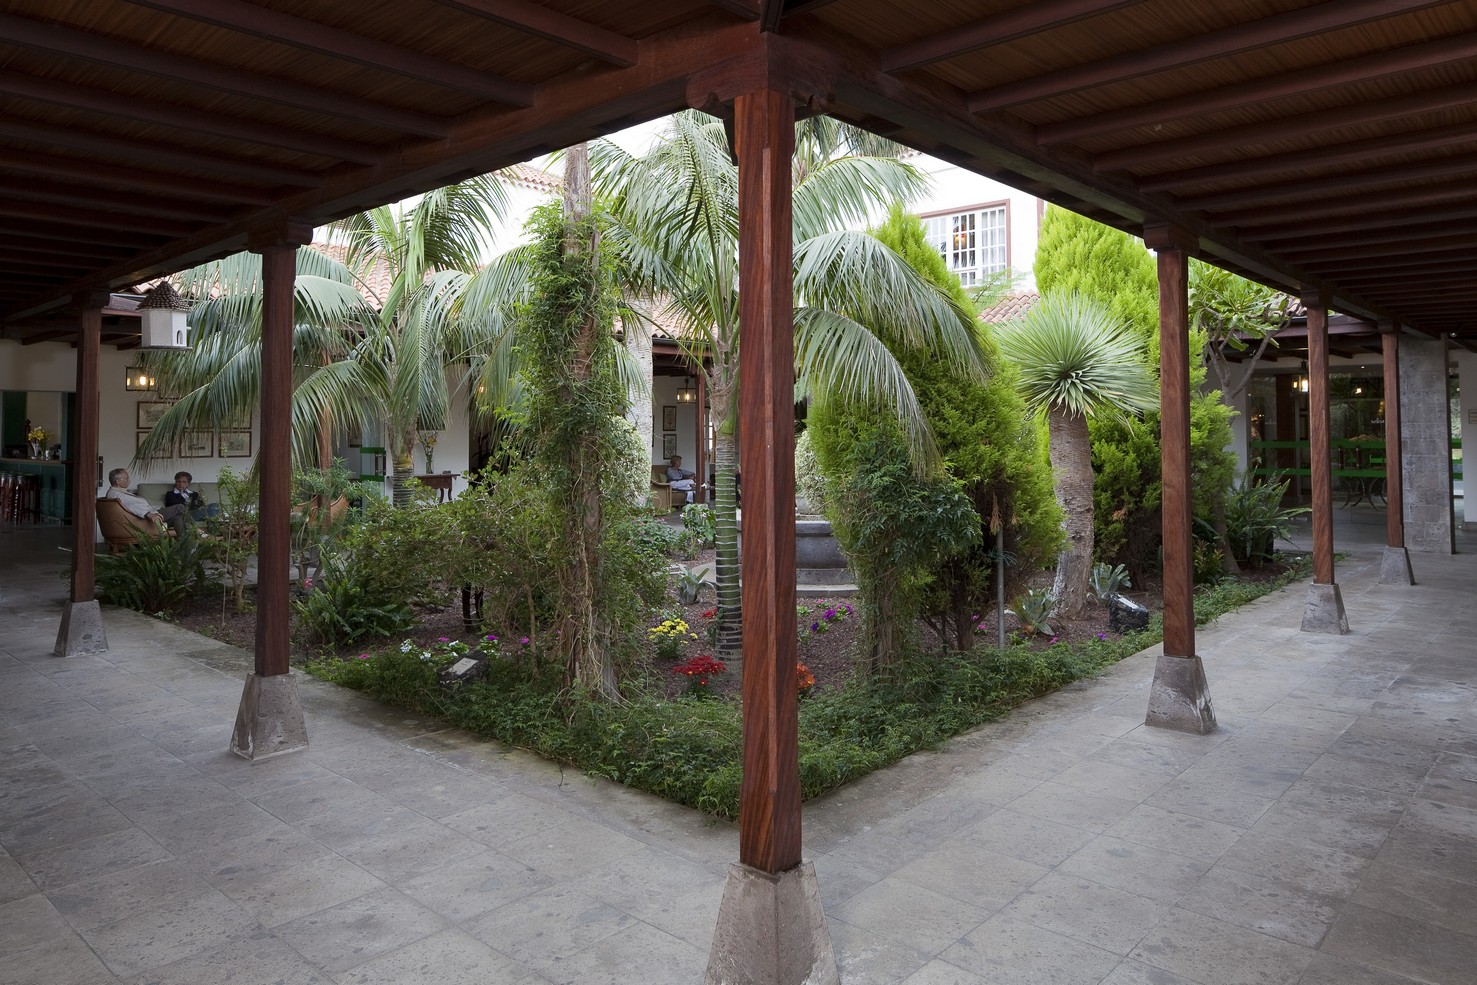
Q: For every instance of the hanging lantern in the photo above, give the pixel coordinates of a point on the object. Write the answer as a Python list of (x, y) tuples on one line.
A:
[(687, 394), (138, 380), (163, 319)]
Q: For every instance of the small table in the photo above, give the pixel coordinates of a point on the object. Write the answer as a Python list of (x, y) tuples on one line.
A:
[(440, 481)]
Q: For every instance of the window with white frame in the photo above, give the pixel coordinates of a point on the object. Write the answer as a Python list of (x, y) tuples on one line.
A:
[(972, 243)]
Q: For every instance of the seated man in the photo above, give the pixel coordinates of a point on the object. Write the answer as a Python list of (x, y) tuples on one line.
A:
[(680, 478), (175, 516), (183, 495)]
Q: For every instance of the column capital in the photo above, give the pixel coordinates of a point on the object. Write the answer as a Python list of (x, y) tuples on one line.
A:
[(1160, 235), (1389, 327), (807, 73), (286, 232), (1314, 296), (90, 300)]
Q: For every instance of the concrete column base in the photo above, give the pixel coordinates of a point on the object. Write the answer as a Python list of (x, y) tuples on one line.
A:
[(1325, 611), (81, 630), (1395, 567), (1179, 698), (771, 931), (270, 719)]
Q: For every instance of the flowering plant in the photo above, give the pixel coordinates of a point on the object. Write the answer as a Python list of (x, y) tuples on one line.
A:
[(804, 680), (832, 614), (38, 435), (670, 637), (699, 671), (443, 653)]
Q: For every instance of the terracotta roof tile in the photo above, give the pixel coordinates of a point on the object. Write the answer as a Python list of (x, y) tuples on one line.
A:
[(1009, 308)]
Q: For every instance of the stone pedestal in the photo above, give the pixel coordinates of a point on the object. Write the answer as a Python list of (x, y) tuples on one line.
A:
[(81, 630), (1325, 611), (771, 931), (270, 719), (1179, 698), (1395, 567)]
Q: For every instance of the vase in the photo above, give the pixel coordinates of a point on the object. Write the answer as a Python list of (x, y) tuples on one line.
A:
[(428, 463), (35, 449)]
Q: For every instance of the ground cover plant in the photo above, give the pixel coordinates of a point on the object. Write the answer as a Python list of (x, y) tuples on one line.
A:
[(688, 749)]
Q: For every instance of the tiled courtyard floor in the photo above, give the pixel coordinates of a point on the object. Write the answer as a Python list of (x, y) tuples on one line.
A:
[(1326, 834)]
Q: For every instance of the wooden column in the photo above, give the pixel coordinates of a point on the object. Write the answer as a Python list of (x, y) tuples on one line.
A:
[(274, 460), (84, 453), (1324, 612), (81, 630), (1395, 566), (1179, 697), (1320, 448), (1394, 491), (769, 811), (1174, 416)]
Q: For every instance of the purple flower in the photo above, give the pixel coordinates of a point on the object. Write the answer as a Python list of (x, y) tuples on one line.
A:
[(847, 608), (523, 640), (443, 639), (1102, 636), (491, 638), (830, 614), (363, 656), (815, 627)]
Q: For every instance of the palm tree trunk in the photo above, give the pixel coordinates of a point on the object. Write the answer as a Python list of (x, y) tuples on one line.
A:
[(1071, 466), (729, 642), (401, 472)]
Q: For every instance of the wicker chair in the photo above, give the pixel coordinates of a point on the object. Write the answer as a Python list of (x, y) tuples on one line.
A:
[(662, 492), (122, 529)]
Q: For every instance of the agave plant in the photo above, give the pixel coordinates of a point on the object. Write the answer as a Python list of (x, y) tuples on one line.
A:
[(1034, 610)]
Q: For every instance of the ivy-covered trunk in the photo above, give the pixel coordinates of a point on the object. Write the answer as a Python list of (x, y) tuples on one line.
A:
[(729, 643), (1071, 466)]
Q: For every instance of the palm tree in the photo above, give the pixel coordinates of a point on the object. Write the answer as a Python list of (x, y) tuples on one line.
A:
[(1076, 361), (359, 353), (676, 217)]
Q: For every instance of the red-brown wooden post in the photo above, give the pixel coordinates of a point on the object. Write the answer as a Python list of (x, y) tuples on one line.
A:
[(771, 927), (270, 718), (769, 811), (1179, 697), (1395, 566), (1325, 609), (81, 628)]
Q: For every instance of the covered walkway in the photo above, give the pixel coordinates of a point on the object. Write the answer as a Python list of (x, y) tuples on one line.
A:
[(1325, 833)]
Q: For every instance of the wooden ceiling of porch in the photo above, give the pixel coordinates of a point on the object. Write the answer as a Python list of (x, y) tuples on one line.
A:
[(1307, 144)]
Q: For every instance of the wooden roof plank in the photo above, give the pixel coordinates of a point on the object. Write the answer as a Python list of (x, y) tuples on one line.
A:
[(1348, 205), (996, 29), (167, 208), (530, 18), (299, 32), (1278, 29), (1343, 72), (116, 176), (1318, 187), (177, 68), (93, 217)]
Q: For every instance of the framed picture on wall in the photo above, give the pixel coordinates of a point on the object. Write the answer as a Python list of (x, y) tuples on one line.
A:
[(235, 444), (197, 444), (138, 439), (669, 446), (669, 418), (149, 412)]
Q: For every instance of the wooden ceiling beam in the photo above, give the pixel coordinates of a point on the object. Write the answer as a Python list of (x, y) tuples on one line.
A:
[(1357, 152), (1350, 206), (103, 201), (308, 35), (116, 177), (166, 158), (21, 262), (69, 43), (93, 217), (997, 29), (747, 9), (1319, 187), (570, 32), (770, 12), (1314, 237), (41, 247), (1291, 127), (1343, 72), (1332, 15), (189, 119), (1327, 254), (1350, 270)]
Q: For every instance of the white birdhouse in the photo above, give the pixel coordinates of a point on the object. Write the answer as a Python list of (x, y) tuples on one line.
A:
[(163, 314)]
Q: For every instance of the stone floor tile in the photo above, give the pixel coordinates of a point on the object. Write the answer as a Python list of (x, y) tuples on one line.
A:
[(1419, 895), (103, 899), (863, 958), (1063, 804), (1183, 834), (168, 931), (409, 850), (73, 818), (1298, 822), (1275, 907), (638, 882), (252, 960), (450, 957), (475, 884), (63, 960), (547, 926), (1453, 780), (1394, 778), (1315, 869), (1087, 911), (1213, 952), (910, 914), (1154, 873), (572, 848), (1398, 944), (693, 917), (349, 934), (508, 818), (1026, 837), (1008, 951), (1097, 776), (279, 895), (15, 883), (978, 876), (840, 879), (1137, 973), (29, 921), (643, 951), (1218, 797), (938, 972), (1329, 970)]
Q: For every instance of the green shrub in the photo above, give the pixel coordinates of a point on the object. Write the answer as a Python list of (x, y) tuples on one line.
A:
[(343, 609), (154, 576), (1256, 518)]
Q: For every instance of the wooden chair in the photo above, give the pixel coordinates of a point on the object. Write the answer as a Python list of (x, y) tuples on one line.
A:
[(122, 529)]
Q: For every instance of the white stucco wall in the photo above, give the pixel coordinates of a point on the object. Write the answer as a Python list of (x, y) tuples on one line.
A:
[(955, 189)]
